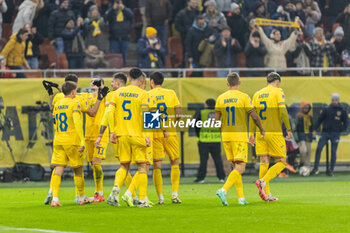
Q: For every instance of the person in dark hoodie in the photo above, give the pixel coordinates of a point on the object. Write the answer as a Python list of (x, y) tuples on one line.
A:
[(255, 52), (74, 46), (120, 20), (226, 49), (334, 119), (32, 51), (334, 9), (237, 23), (344, 20), (304, 128), (57, 22), (198, 32)]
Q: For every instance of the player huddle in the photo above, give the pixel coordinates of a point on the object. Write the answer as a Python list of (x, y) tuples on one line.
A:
[(117, 116)]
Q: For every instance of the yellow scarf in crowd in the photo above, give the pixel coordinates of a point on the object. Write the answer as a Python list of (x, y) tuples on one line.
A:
[(30, 49), (120, 16), (97, 30)]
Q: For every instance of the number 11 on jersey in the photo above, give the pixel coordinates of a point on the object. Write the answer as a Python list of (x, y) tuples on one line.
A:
[(232, 110)]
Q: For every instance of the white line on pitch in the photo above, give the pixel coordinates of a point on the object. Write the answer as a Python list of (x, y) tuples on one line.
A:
[(33, 229)]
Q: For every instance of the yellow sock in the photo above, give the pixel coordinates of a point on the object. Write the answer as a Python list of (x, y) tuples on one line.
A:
[(143, 181), (175, 178), (55, 184), (127, 183), (274, 171), (239, 186), (120, 177), (53, 172), (264, 167), (231, 179), (134, 183), (158, 180), (80, 185), (76, 189), (98, 176)]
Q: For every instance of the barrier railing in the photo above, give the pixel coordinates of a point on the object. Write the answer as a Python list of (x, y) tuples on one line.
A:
[(182, 72)]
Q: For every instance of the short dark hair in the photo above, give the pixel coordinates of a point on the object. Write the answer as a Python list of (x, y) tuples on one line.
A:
[(122, 77), (273, 76), (71, 77), (225, 28), (157, 77), (199, 17), (233, 79), (211, 103), (68, 87), (135, 73), (20, 32)]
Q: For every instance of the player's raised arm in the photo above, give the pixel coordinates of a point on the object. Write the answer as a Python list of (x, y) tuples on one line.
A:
[(110, 118), (78, 126)]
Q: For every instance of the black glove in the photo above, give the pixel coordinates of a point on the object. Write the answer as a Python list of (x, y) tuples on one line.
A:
[(102, 93), (48, 87)]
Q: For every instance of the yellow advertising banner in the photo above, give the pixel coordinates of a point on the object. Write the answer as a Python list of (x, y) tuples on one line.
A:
[(21, 95)]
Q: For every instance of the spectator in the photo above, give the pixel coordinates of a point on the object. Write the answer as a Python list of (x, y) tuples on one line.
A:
[(340, 46), (321, 50), (299, 6), (255, 52), (223, 6), (206, 49), (277, 49), (270, 6), (57, 22), (151, 54), (32, 51), (345, 56), (95, 58), (3, 66), (226, 49), (3, 9), (213, 17), (334, 8), (313, 15), (290, 10), (344, 20), (335, 120), (159, 13), (259, 11), (237, 23), (178, 5), (184, 21), (97, 30), (300, 57), (304, 128), (120, 21), (25, 15), (86, 8), (14, 52), (199, 31), (74, 45), (209, 141), (282, 15)]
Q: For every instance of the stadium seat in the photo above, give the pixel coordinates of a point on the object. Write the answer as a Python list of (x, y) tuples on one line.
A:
[(62, 62), (6, 30), (175, 51), (3, 42), (115, 60), (33, 74), (47, 48), (210, 74)]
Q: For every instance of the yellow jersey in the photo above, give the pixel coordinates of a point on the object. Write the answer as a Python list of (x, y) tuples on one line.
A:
[(129, 103), (267, 102), (65, 132), (92, 124), (234, 106), (166, 102)]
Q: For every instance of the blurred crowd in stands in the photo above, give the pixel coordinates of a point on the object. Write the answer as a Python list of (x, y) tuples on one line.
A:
[(95, 34)]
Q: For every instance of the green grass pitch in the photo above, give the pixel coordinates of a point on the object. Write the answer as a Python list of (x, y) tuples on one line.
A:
[(313, 204)]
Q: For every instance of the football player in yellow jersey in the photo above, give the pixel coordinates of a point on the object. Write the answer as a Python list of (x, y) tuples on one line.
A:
[(125, 122), (167, 141), (232, 108), (84, 108), (270, 106), (92, 124), (68, 143)]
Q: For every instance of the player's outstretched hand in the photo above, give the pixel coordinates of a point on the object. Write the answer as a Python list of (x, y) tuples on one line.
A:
[(97, 142), (114, 138), (290, 134), (252, 140), (148, 141), (81, 149)]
